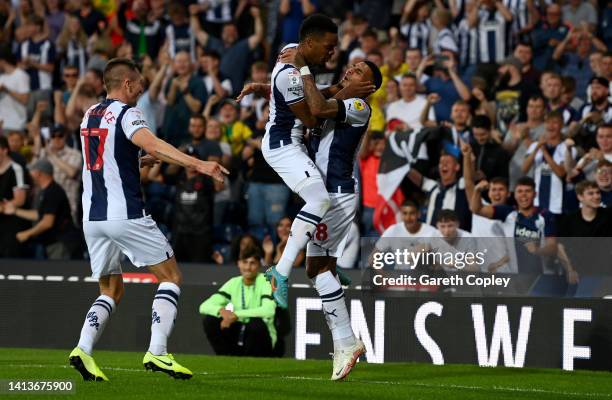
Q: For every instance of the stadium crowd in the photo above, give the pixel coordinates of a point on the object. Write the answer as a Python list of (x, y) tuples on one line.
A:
[(482, 94)]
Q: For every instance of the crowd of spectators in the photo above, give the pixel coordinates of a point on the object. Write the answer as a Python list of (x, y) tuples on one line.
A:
[(504, 89)]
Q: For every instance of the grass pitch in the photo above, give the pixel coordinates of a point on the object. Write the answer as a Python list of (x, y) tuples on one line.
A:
[(250, 378)]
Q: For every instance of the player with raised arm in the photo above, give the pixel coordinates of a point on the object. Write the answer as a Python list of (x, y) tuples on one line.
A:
[(283, 147), (333, 150), (114, 220)]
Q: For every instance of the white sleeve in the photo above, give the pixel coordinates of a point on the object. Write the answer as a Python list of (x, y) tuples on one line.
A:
[(133, 120), (289, 83), (531, 148), (227, 85), (247, 101), (432, 114), (356, 112)]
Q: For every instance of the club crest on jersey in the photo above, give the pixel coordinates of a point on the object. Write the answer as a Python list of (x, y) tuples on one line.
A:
[(359, 105), (294, 78)]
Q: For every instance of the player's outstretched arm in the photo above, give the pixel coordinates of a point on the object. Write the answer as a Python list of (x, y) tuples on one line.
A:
[(156, 147), (261, 89)]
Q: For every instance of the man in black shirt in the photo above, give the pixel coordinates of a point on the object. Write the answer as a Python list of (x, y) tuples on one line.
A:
[(585, 254), (193, 215), (207, 150), (13, 188), (491, 159), (53, 226)]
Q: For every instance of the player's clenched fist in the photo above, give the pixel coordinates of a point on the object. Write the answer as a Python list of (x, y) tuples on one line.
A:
[(213, 169)]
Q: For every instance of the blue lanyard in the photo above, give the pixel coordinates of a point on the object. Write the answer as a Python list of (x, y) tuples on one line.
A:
[(243, 300)]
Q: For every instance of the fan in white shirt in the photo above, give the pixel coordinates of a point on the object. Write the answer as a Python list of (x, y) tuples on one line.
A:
[(410, 233)]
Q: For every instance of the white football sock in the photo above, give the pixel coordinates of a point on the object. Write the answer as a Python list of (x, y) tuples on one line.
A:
[(317, 203), (334, 308), (95, 321), (163, 316)]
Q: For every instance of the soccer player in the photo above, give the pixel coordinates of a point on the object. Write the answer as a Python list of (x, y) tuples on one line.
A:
[(283, 147), (334, 151), (114, 220)]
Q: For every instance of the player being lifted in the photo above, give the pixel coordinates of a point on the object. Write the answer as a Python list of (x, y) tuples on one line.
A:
[(283, 143), (334, 151), (114, 220)]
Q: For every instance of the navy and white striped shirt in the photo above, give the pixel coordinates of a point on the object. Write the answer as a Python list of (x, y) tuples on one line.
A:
[(219, 11), (520, 18), (76, 54), (42, 52), (287, 88), (450, 197), (334, 151), (468, 43), (181, 38), (111, 175), (417, 35), (492, 36), (445, 41)]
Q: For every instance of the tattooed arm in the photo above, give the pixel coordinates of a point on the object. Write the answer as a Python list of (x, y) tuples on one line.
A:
[(163, 151)]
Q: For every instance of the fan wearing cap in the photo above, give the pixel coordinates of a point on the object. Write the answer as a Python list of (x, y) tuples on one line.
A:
[(600, 108), (235, 132), (53, 226)]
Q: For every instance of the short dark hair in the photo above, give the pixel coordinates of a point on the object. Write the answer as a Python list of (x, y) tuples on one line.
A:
[(537, 97), (499, 180), (377, 135), (568, 83), (7, 55), (481, 121), (606, 125), (524, 43), (410, 203), (36, 20), (584, 185), (213, 54), (317, 24), (461, 102), (409, 75), (97, 73), (557, 114), (447, 215), (198, 116), (369, 33), (376, 74), (526, 181), (248, 252), (375, 52), (4, 143), (114, 72)]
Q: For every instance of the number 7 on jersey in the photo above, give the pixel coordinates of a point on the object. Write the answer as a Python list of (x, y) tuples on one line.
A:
[(94, 139)]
